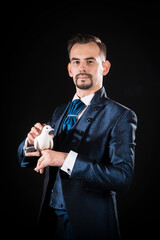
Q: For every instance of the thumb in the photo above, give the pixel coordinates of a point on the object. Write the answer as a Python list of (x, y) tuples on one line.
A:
[(52, 136)]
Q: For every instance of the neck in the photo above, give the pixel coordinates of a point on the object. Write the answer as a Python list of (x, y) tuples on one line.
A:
[(85, 92)]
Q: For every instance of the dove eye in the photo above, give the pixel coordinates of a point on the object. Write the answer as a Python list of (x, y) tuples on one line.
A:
[(46, 127)]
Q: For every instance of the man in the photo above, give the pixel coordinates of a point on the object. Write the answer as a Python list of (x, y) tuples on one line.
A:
[(93, 153)]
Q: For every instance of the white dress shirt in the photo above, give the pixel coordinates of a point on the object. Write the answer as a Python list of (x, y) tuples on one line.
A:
[(71, 158)]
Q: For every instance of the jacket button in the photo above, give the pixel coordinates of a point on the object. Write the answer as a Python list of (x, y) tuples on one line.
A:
[(81, 133), (97, 108), (89, 119), (74, 147)]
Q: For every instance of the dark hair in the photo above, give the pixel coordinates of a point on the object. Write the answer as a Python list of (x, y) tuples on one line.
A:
[(86, 38)]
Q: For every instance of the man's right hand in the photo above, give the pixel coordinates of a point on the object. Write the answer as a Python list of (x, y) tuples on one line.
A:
[(35, 131)]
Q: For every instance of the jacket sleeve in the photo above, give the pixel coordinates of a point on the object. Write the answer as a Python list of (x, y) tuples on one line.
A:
[(115, 173), (23, 160)]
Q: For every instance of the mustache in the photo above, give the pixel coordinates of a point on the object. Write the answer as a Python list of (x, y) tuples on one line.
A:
[(83, 74)]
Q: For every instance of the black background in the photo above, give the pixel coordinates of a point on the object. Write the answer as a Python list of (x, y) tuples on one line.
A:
[(34, 40)]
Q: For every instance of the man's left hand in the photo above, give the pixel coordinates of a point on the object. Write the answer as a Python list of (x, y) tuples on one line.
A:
[(48, 158)]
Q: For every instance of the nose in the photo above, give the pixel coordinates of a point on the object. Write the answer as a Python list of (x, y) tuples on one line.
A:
[(82, 68)]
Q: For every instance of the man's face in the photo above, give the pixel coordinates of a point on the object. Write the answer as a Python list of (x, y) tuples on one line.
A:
[(86, 65)]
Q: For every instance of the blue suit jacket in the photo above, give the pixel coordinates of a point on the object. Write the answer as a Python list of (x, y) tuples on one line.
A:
[(104, 138)]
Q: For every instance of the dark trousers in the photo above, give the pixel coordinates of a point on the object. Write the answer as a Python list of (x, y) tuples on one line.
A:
[(63, 228), (50, 224)]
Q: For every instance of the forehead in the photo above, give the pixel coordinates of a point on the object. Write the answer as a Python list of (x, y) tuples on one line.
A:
[(86, 50)]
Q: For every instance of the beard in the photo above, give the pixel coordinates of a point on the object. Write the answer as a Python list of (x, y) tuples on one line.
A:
[(84, 84)]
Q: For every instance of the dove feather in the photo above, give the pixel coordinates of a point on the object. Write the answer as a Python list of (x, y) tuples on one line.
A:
[(44, 140)]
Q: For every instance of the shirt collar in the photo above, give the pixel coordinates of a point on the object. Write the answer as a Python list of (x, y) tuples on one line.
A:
[(86, 100)]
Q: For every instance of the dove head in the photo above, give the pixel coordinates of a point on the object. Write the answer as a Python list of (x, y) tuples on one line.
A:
[(48, 129)]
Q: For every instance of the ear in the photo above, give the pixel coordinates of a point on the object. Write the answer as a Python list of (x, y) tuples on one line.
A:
[(69, 70), (106, 67)]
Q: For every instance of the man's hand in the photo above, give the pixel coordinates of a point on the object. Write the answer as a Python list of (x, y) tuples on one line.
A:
[(48, 158), (35, 131)]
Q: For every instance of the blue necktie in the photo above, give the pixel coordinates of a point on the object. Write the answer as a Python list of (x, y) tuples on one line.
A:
[(75, 107)]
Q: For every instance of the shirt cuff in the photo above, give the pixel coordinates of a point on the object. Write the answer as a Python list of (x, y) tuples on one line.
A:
[(25, 144), (69, 162), (26, 148)]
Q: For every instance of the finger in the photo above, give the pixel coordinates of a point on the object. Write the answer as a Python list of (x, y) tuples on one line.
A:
[(40, 167), (41, 170), (32, 154), (39, 126), (41, 159), (35, 131), (40, 164), (52, 136), (31, 137)]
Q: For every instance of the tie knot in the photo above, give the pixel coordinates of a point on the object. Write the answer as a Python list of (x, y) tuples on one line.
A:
[(75, 107)]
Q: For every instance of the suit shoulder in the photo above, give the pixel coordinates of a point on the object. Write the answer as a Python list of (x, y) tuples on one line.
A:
[(119, 108), (117, 105)]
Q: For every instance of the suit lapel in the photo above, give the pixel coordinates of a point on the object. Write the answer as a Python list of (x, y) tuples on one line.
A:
[(76, 134), (58, 117), (97, 104), (88, 117)]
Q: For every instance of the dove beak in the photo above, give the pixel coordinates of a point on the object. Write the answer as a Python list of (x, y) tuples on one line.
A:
[(51, 132)]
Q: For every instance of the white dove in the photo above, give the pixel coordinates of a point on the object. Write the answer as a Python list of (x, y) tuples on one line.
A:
[(44, 140)]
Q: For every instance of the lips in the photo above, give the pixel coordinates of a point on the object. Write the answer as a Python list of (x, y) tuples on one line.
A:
[(83, 76)]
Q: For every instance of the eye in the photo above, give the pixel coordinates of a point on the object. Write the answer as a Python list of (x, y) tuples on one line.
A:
[(90, 61), (76, 62), (46, 127)]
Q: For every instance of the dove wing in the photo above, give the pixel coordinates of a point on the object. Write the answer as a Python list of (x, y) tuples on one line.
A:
[(36, 145)]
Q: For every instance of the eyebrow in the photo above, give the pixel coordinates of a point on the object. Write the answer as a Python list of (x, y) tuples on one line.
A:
[(89, 58)]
